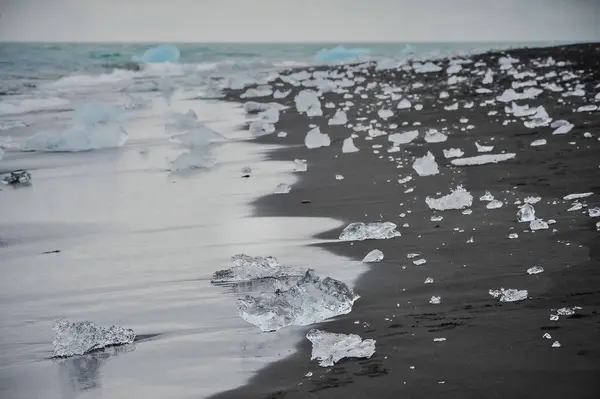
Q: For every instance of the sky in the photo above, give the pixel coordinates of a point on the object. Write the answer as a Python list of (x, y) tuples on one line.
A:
[(298, 20)]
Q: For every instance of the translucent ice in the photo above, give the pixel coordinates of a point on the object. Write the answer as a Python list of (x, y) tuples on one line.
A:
[(300, 165), (594, 212), (260, 91), (196, 158), (359, 231), (373, 256), (339, 118), (564, 129), (577, 196), (538, 224), (307, 99), (486, 197), (435, 300), (160, 53), (349, 146), (538, 142), (458, 199), (483, 159), (526, 213), (77, 338), (535, 270), (32, 105), (453, 153), (494, 204), (310, 300), (426, 165), (261, 127), (315, 139), (434, 136), (247, 268), (340, 53), (329, 348), (509, 295), (403, 138), (483, 148)]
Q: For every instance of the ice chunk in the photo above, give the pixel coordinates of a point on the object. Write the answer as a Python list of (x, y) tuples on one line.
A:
[(488, 78), (359, 231), (587, 108), (434, 136), (315, 139), (494, 204), (535, 270), (486, 197), (594, 212), (283, 188), (575, 207), (457, 199), (538, 142), (426, 165), (429, 280), (339, 177), (483, 159), (403, 138), (435, 300), (419, 262), (17, 177), (79, 337), (261, 127), (564, 129), (329, 348), (556, 344), (454, 69), (277, 94), (160, 53), (196, 158), (260, 91), (339, 118), (538, 224), (526, 213), (310, 300), (509, 295), (428, 67), (404, 104), (373, 256), (198, 136), (451, 107), (340, 53), (300, 165), (483, 148), (453, 153), (246, 268), (252, 107), (307, 99), (577, 196), (349, 146), (385, 113)]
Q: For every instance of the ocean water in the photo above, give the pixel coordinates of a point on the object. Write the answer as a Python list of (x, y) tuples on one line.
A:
[(137, 242)]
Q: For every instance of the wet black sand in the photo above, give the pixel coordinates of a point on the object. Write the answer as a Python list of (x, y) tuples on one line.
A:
[(492, 350)]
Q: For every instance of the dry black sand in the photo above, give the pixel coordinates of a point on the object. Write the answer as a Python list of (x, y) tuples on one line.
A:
[(493, 350)]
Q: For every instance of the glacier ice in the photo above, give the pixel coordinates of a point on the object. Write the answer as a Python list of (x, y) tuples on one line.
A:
[(494, 204), (509, 295), (160, 53), (329, 348), (339, 118), (277, 94), (403, 138), (310, 300), (577, 196), (193, 133), (434, 136), (359, 231), (486, 197), (426, 165), (428, 67), (261, 127), (246, 268), (385, 113), (16, 177), (348, 146), (453, 153), (538, 142), (594, 212), (564, 129), (259, 91), (538, 224), (340, 53), (373, 256), (457, 199), (315, 139), (79, 337), (483, 159), (526, 213), (483, 148), (535, 270), (307, 99)]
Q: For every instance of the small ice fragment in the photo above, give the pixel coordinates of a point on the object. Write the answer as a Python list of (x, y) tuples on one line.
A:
[(412, 255), (309, 374), (576, 196), (282, 134), (436, 218), (452, 107), (405, 180), (419, 262), (247, 268), (439, 339), (77, 338), (487, 197), (483, 148), (587, 108), (564, 129), (488, 78), (575, 207), (373, 257), (385, 113), (453, 153), (348, 146), (594, 212), (426, 165), (435, 300), (458, 199), (339, 177), (547, 336), (535, 270), (483, 159), (404, 104), (494, 204), (554, 317), (315, 139), (538, 224), (526, 213), (556, 344), (429, 280), (444, 94), (532, 200), (359, 231), (598, 226), (403, 138), (339, 118), (512, 236), (509, 295), (283, 188), (567, 311), (277, 94), (329, 348), (17, 177), (434, 136), (418, 107), (300, 165), (470, 240)]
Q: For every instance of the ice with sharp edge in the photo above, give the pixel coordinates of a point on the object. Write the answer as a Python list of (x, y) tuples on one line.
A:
[(329, 348), (457, 199), (373, 257), (426, 165), (359, 231), (80, 337), (247, 268)]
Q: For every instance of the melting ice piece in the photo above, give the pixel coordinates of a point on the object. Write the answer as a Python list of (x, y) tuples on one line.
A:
[(315, 139), (385, 113), (509, 295), (435, 300), (594, 212), (538, 142), (300, 165), (340, 118), (260, 91), (339, 177), (488, 78), (587, 108), (359, 231), (556, 344), (403, 138), (535, 270), (429, 280), (434, 136), (283, 188), (458, 199), (79, 337), (349, 146), (426, 165), (483, 148), (17, 177), (373, 256), (486, 197), (247, 268), (526, 213), (538, 224), (564, 129), (576, 196), (483, 159), (310, 300), (329, 348), (453, 153), (494, 204), (404, 104), (419, 262), (339, 53)]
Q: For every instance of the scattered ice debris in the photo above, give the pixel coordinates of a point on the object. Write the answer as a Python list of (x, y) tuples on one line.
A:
[(538, 224), (564, 129), (428, 280), (512, 236), (246, 268), (535, 270), (160, 53), (435, 300), (426, 165), (434, 136), (453, 153), (439, 339), (315, 139), (487, 197), (556, 344), (359, 231), (577, 196), (339, 177), (310, 300), (526, 213), (483, 148), (300, 165), (348, 146), (419, 262), (79, 337), (538, 142), (246, 171), (453, 69), (340, 118), (329, 348), (509, 295), (403, 138), (494, 204), (483, 159), (17, 177), (373, 256), (564, 312), (404, 104), (594, 212), (283, 188), (458, 199)]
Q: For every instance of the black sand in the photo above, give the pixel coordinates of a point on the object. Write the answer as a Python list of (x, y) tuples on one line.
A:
[(493, 350)]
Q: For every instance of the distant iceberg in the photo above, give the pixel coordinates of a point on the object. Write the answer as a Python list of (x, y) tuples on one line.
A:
[(160, 53), (339, 53)]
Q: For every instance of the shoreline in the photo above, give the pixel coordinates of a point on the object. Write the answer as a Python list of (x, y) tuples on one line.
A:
[(490, 347)]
